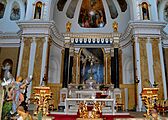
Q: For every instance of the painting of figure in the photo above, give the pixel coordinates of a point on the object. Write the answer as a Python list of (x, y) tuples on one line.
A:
[(91, 64), (92, 14), (15, 12)]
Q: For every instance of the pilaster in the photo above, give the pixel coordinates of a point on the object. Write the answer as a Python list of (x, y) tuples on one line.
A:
[(137, 72), (38, 61), (25, 57)]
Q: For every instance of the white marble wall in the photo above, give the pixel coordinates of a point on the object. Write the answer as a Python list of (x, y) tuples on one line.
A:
[(55, 64), (127, 63)]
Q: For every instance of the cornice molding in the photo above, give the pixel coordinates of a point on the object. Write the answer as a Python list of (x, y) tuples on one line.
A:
[(139, 28), (48, 26)]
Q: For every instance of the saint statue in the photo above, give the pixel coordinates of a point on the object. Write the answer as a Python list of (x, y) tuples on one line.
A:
[(145, 11), (37, 14)]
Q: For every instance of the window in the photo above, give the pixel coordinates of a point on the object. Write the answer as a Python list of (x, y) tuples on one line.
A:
[(112, 8), (61, 4), (2, 10), (15, 12), (71, 9), (166, 12)]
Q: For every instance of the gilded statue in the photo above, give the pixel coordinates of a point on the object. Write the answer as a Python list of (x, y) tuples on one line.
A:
[(83, 111), (115, 26), (68, 26)]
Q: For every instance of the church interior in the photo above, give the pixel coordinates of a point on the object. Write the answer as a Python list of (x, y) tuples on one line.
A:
[(83, 59)]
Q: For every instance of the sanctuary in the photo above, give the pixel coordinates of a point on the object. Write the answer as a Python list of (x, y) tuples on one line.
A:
[(98, 54)]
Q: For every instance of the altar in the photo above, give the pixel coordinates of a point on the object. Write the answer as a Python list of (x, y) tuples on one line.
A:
[(72, 96)]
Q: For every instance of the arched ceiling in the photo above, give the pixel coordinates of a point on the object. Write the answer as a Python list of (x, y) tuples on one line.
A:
[(69, 10)]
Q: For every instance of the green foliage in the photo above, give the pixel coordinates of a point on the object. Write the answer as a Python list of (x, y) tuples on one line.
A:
[(7, 107)]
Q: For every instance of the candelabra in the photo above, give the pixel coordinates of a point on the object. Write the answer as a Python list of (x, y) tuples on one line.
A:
[(149, 97), (42, 97)]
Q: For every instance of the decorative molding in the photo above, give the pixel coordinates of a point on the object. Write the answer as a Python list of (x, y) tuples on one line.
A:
[(141, 29), (41, 29)]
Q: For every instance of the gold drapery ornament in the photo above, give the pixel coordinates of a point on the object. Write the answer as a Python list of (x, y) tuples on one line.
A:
[(68, 26), (115, 26)]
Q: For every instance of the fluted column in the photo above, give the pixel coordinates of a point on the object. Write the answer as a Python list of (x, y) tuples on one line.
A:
[(137, 72), (65, 70), (40, 41), (25, 56), (74, 68)]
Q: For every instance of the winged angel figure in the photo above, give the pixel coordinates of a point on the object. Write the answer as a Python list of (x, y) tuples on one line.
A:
[(14, 89)]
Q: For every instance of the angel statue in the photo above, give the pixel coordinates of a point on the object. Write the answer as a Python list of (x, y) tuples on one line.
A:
[(16, 91)]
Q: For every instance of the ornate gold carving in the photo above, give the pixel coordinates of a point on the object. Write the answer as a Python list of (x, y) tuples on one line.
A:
[(42, 97), (68, 26), (144, 63), (25, 58), (74, 68), (149, 97), (115, 26), (108, 68), (95, 113), (157, 67)]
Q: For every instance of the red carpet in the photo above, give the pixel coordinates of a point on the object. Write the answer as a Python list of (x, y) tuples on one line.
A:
[(73, 117)]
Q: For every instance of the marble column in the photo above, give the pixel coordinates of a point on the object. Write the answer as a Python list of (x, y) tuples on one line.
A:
[(116, 68), (150, 61), (45, 60), (62, 65), (38, 61), (137, 72), (163, 69), (24, 61), (158, 67), (65, 70), (74, 68), (70, 69), (144, 63)]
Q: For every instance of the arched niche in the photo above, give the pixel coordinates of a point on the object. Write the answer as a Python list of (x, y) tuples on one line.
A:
[(145, 10), (2, 9), (97, 70), (15, 11), (7, 65), (38, 10)]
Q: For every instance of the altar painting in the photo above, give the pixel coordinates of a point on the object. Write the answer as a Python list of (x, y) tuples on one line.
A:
[(92, 14), (94, 55)]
